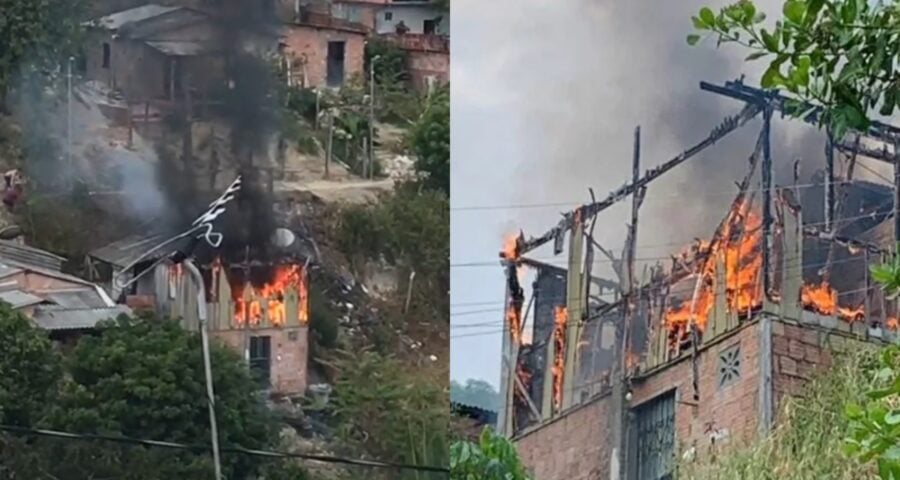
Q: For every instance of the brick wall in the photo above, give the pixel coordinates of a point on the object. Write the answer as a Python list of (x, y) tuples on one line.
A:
[(289, 355), (312, 44), (425, 64), (575, 445), (570, 447), (799, 351), (729, 410)]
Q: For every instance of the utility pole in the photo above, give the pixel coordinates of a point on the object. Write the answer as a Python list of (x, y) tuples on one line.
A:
[(207, 367), (69, 116), (372, 115)]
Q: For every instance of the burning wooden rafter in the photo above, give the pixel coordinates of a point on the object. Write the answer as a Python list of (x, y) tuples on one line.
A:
[(727, 126)]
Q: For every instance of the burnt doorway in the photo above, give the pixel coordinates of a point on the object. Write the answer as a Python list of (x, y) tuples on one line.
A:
[(653, 439), (335, 75)]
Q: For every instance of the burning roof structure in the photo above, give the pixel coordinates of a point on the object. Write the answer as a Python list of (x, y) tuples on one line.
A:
[(779, 253)]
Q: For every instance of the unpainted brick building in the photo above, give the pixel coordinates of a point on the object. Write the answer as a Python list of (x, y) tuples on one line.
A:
[(702, 353)]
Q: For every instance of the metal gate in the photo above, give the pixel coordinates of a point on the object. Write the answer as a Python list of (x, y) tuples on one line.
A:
[(654, 438)]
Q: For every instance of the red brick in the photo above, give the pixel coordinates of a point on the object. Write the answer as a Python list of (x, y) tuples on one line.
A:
[(788, 366), (796, 349)]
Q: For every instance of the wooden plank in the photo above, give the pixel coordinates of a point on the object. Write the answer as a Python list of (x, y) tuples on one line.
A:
[(574, 303)]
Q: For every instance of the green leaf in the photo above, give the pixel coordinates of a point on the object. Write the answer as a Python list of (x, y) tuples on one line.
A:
[(707, 16), (699, 24), (848, 11), (772, 78), (794, 10), (755, 55), (892, 418), (693, 38), (813, 8), (853, 411), (749, 12), (770, 41)]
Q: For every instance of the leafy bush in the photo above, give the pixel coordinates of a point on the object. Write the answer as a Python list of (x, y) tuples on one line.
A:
[(492, 458), (410, 229), (431, 142), (389, 410)]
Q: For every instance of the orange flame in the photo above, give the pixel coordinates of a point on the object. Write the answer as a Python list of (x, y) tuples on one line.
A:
[(510, 251), (514, 320), (891, 323), (823, 299), (743, 262), (560, 318), (272, 296)]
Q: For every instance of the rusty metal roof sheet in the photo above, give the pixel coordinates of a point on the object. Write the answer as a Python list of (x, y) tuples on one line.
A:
[(58, 318)]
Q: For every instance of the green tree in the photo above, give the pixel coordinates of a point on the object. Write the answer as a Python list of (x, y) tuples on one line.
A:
[(477, 393), (840, 55), (42, 34), (431, 141), (144, 378), (30, 370), (409, 228), (391, 411), (492, 458)]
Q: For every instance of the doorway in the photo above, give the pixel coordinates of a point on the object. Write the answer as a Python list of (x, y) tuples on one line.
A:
[(335, 74)]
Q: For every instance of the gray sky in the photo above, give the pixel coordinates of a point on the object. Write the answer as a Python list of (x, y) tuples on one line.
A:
[(545, 96)]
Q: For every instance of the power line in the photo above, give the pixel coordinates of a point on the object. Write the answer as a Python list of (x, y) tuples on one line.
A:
[(234, 449), (563, 261), (526, 206)]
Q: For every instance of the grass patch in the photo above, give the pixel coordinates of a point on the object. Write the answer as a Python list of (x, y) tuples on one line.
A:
[(806, 444)]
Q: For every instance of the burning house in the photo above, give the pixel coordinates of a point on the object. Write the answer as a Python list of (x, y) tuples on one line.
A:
[(256, 301), (699, 351)]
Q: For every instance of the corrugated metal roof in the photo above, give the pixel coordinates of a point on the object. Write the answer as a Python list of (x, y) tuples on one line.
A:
[(125, 251), (181, 48), (56, 318), (116, 20), (19, 299), (82, 298), (30, 256)]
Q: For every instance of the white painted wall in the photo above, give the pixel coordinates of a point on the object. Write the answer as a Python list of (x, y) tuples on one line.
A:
[(413, 16)]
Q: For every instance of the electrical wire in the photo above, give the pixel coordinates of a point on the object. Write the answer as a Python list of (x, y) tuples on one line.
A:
[(232, 449), (561, 261), (674, 194)]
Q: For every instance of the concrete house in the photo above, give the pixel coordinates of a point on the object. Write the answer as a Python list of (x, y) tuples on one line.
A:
[(418, 17)]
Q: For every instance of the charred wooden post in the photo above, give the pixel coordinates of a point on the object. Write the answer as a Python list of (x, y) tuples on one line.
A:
[(511, 338), (575, 312), (765, 324), (766, 187)]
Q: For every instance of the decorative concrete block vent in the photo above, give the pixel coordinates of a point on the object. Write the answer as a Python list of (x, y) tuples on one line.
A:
[(729, 367)]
